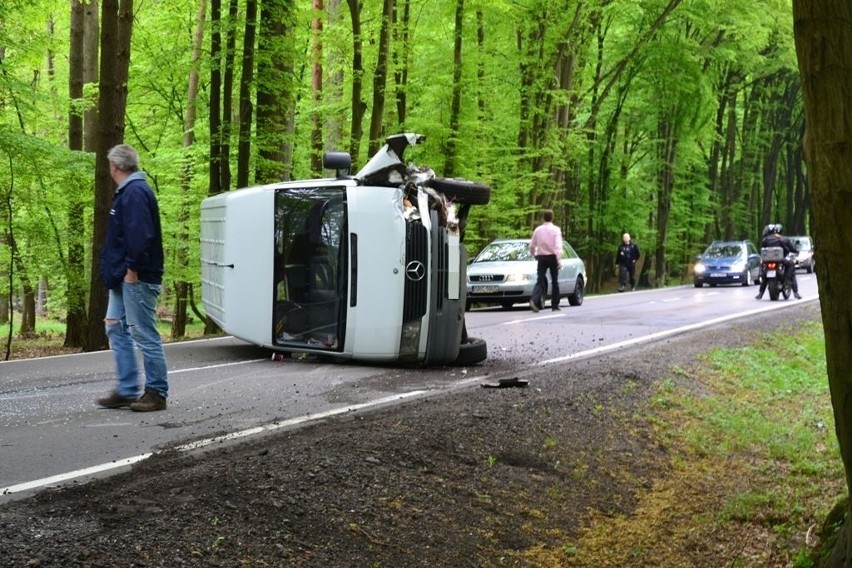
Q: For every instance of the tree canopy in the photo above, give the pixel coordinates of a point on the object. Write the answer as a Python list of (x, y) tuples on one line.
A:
[(676, 120)]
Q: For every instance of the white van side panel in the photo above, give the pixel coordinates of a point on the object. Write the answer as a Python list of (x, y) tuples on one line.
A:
[(376, 218), (237, 269)]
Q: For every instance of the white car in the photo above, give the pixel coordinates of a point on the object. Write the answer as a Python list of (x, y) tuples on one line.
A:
[(805, 258), (505, 273), (369, 267)]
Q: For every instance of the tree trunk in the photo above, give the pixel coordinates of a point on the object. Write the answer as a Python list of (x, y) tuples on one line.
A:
[(227, 98), (665, 186), (358, 106), (316, 89), (116, 28), (187, 205), (380, 76), (246, 106), (824, 50), (27, 327), (401, 59), (215, 116), (334, 120), (275, 54), (730, 183), (75, 287), (91, 42), (455, 105)]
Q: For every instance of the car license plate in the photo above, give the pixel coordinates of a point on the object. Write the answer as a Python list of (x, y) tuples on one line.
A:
[(770, 274), (485, 289), (717, 275)]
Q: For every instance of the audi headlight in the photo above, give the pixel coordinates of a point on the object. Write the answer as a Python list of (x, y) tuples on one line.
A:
[(519, 277)]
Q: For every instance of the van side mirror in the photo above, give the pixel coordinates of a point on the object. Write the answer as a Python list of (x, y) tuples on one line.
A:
[(340, 162)]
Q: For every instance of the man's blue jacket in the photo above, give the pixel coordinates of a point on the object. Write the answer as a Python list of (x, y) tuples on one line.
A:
[(134, 239)]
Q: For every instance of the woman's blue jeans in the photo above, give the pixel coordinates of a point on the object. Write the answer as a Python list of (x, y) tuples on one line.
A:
[(131, 321)]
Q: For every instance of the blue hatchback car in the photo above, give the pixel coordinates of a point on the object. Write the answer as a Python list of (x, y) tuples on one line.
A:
[(728, 262)]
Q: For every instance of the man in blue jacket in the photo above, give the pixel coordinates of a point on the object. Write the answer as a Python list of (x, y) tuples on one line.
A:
[(131, 268)]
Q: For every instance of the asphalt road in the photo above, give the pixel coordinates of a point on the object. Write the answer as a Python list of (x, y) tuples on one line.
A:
[(51, 432)]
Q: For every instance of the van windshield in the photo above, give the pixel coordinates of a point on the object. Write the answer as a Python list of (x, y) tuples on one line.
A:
[(310, 267)]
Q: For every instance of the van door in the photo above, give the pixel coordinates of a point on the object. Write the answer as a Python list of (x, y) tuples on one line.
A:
[(310, 288)]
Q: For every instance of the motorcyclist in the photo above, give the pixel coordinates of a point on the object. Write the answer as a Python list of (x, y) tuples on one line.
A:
[(773, 237)]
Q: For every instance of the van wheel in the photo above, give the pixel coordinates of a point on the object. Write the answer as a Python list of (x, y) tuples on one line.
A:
[(461, 191), (472, 350)]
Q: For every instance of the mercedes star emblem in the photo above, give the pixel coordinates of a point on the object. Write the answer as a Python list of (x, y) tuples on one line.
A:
[(415, 271)]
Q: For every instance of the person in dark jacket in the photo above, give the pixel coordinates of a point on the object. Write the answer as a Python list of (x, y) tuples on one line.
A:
[(625, 259), (131, 268), (773, 237)]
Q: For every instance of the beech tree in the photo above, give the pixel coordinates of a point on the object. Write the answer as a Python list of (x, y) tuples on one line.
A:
[(823, 32), (76, 283), (183, 287), (116, 29), (380, 75)]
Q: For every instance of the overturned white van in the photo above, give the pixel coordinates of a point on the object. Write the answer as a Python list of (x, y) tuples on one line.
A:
[(368, 267)]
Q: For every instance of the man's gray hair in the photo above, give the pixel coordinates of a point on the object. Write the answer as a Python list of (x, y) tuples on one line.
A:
[(124, 157)]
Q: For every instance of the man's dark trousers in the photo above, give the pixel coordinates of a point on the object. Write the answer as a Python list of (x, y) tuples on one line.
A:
[(546, 262)]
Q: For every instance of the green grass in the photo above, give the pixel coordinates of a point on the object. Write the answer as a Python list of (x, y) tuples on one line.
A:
[(46, 327), (769, 415), (49, 337), (752, 466)]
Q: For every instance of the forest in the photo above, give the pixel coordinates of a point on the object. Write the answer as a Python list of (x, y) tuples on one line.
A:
[(679, 121)]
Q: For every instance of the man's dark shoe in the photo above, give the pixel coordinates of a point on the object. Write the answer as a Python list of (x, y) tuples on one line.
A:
[(533, 306), (115, 400), (149, 401), (621, 289), (759, 296), (797, 295), (556, 308)]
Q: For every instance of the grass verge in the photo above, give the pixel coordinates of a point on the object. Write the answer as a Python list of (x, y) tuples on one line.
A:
[(754, 464), (49, 338)]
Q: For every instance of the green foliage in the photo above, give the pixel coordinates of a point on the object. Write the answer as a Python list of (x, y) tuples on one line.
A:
[(540, 122), (759, 423)]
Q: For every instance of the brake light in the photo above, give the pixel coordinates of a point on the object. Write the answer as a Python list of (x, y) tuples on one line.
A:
[(771, 265)]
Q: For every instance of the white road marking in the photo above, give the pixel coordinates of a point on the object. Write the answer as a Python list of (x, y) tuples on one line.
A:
[(63, 477), (217, 366), (666, 333), (534, 318)]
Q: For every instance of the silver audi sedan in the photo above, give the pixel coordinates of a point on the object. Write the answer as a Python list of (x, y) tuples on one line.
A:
[(504, 273)]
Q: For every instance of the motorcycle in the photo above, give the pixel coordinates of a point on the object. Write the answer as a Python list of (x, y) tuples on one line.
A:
[(774, 269)]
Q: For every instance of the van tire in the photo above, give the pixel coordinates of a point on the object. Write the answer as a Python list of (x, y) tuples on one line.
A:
[(461, 191), (473, 350)]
